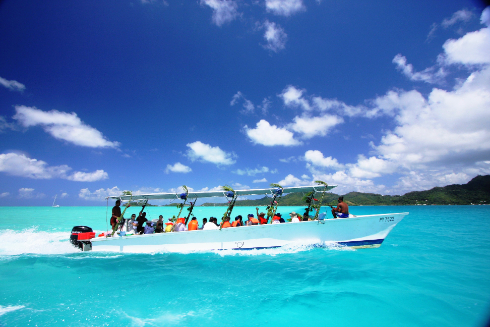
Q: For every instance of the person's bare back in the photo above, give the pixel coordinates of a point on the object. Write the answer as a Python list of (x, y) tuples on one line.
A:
[(342, 209)]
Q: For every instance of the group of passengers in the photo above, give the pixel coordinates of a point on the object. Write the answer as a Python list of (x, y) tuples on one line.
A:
[(138, 224)]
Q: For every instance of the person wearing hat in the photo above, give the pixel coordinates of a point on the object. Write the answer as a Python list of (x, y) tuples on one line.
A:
[(149, 228), (261, 216), (169, 225), (294, 217)]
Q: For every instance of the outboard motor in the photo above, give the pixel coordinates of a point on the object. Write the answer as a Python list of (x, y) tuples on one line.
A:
[(80, 237)]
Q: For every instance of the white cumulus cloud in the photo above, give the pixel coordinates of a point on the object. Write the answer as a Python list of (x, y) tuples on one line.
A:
[(100, 194), (205, 152), (314, 126), (428, 75), (224, 11), (28, 193), (275, 36), (12, 85), (63, 126), (248, 106), (20, 165), (284, 7), (253, 172), (293, 97), (178, 168), (473, 48), (316, 158), (462, 15), (4, 194), (270, 135), (80, 176), (371, 167)]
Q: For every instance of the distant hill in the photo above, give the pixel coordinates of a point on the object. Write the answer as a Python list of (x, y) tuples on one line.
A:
[(476, 191)]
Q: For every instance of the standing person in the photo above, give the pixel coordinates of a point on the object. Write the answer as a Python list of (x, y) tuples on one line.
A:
[(116, 213), (141, 221), (342, 209), (159, 227)]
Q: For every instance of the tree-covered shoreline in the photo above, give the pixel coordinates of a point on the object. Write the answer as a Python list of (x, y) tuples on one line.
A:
[(475, 192)]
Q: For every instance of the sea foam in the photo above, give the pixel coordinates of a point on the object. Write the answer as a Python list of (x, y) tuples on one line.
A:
[(32, 241), (9, 308)]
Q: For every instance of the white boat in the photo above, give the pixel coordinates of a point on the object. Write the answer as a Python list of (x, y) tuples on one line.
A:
[(55, 205), (367, 231)]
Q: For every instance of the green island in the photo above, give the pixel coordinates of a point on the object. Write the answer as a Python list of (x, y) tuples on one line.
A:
[(475, 192)]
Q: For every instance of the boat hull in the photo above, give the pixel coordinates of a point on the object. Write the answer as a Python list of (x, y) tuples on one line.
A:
[(359, 232)]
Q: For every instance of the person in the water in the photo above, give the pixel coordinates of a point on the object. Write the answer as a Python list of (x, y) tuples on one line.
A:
[(342, 209)]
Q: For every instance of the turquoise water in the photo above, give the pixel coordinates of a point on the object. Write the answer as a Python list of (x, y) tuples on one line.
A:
[(432, 270)]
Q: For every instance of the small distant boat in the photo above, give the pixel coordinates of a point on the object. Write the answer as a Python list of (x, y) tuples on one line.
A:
[(366, 231), (55, 205)]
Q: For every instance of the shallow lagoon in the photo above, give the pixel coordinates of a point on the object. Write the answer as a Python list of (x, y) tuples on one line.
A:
[(433, 269)]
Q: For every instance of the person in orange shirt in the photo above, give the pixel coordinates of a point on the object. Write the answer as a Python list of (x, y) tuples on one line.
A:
[(193, 224), (226, 223)]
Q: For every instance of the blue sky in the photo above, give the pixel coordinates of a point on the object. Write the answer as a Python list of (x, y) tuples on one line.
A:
[(97, 97)]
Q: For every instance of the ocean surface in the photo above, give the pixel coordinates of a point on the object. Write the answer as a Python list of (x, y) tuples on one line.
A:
[(432, 270)]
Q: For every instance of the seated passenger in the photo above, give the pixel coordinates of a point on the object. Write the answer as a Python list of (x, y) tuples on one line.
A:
[(129, 223), (275, 220), (294, 217), (211, 224), (226, 223), (180, 225), (159, 225), (281, 220), (204, 222), (261, 217), (149, 228), (252, 220), (193, 224), (342, 209), (169, 224), (238, 221)]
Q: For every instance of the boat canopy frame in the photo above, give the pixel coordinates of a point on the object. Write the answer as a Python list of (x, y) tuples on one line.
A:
[(196, 195)]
